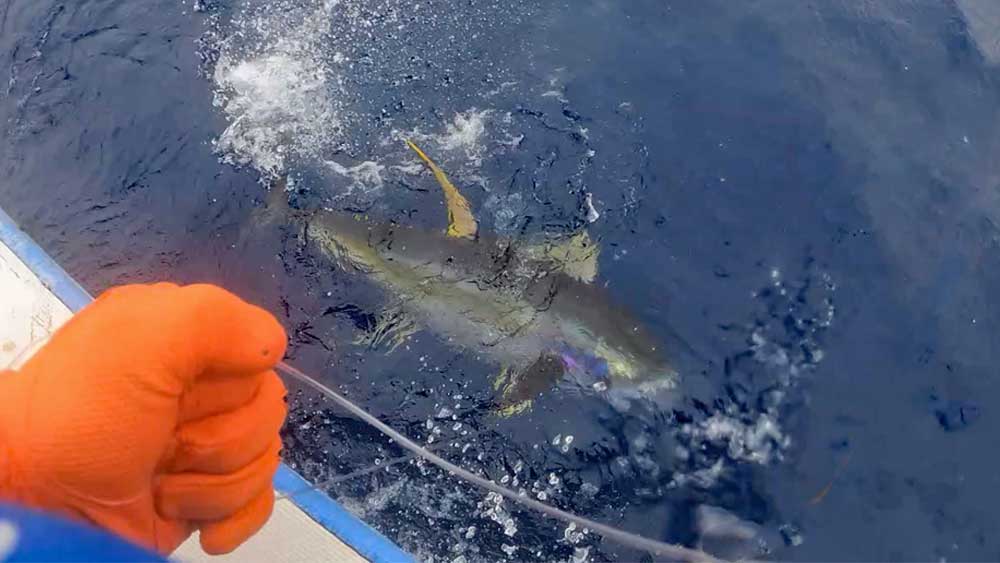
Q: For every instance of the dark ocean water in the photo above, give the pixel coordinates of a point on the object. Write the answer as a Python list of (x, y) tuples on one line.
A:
[(805, 192)]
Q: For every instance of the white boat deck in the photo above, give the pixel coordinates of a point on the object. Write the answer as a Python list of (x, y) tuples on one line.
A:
[(307, 527)]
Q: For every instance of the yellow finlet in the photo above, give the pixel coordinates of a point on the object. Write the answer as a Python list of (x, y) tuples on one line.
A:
[(502, 384), (514, 409), (461, 222)]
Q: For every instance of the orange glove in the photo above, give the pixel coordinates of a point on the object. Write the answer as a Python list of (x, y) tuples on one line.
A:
[(153, 413)]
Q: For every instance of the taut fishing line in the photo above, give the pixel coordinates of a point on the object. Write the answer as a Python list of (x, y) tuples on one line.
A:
[(673, 552)]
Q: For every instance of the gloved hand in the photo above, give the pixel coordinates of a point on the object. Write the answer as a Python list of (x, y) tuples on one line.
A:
[(153, 412)]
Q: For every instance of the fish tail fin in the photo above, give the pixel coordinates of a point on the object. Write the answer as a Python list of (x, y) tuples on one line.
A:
[(461, 221)]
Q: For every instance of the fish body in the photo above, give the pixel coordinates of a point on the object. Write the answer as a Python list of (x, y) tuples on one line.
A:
[(531, 308)]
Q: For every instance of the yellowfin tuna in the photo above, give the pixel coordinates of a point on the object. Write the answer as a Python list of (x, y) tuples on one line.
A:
[(531, 308)]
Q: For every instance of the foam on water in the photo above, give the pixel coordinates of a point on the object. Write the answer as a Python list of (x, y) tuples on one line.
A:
[(301, 82), (760, 440), (277, 91), (366, 175), (786, 344), (376, 502), (465, 133)]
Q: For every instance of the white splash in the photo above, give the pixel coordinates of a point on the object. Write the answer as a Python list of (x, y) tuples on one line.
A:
[(466, 132), (492, 507), (463, 138), (366, 176), (276, 91), (554, 94), (705, 477), (789, 354), (760, 441), (276, 105), (592, 214), (413, 168), (376, 502)]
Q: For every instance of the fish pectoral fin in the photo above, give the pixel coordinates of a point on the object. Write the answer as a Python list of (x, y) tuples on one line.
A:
[(392, 327), (502, 380), (502, 384), (518, 389), (461, 221), (576, 256)]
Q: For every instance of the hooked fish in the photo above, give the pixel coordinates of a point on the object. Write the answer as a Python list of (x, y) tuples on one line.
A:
[(533, 308)]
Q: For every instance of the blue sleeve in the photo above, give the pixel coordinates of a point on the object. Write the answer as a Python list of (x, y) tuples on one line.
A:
[(28, 535)]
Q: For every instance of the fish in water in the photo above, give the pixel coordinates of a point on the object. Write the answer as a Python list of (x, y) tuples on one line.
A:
[(531, 307)]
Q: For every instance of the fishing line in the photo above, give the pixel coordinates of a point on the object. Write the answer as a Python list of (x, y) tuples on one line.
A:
[(673, 552)]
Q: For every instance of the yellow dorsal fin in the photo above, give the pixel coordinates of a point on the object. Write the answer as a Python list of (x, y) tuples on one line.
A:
[(461, 222), (576, 256)]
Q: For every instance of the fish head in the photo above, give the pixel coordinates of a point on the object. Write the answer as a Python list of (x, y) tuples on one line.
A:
[(601, 362), (599, 367), (602, 341)]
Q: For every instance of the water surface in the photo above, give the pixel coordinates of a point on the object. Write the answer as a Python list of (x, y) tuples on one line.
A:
[(805, 192)]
